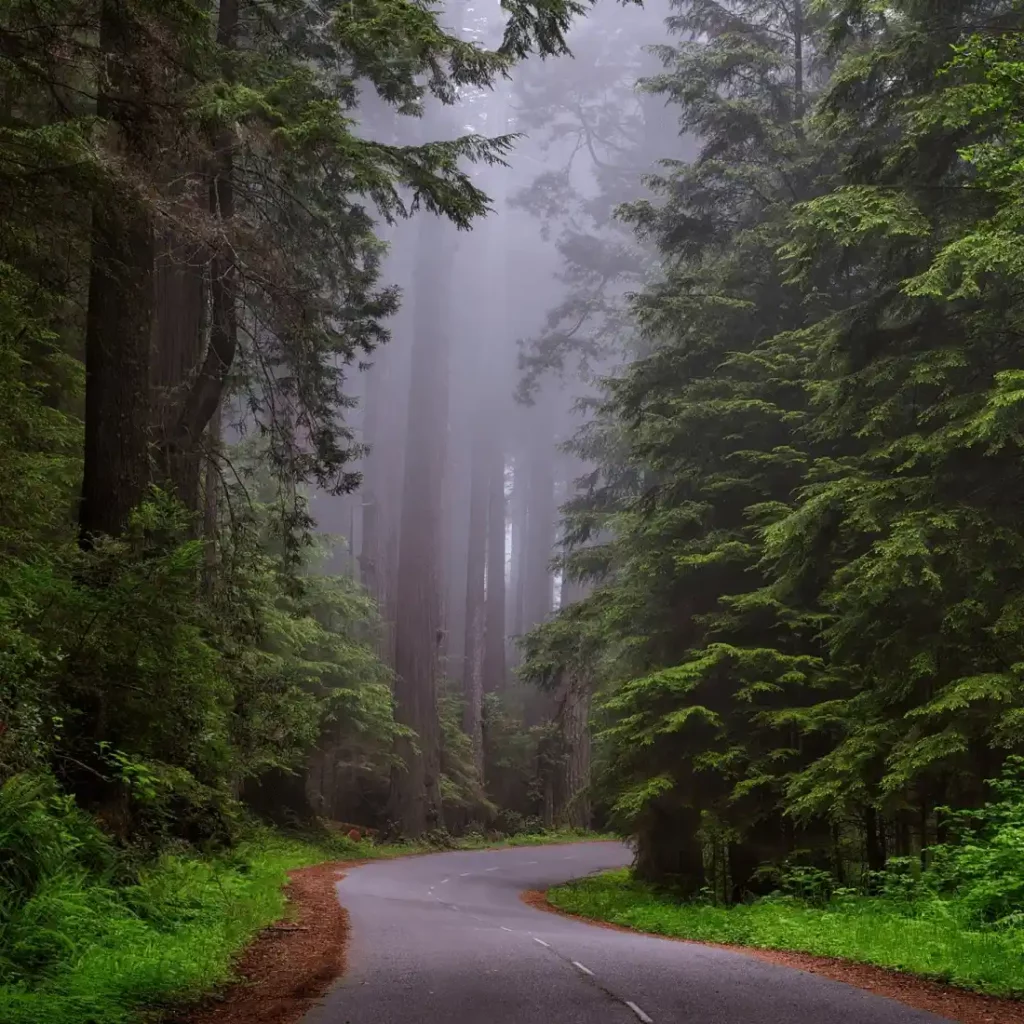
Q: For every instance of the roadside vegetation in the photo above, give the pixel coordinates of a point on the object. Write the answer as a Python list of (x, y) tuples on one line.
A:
[(957, 916), (91, 935)]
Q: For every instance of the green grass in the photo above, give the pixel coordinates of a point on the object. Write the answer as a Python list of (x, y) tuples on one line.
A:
[(105, 953), (83, 952), (549, 838), (932, 939)]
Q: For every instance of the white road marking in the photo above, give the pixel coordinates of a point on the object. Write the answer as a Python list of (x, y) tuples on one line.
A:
[(443, 880), (579, 966), (532, 862), (465, 874), (541, 941), (504, 929), (492, 869), (640, 1013)]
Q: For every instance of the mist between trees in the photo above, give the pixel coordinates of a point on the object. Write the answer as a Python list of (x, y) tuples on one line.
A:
[(399, 428)]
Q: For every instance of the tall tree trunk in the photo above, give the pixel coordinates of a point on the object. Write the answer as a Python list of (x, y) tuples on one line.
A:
[(541, 520), (494, 628), (416, 784), (457, 538), (119, 317), (516, 617), (472, 672), (179, 337), (210, 491), (574, 724)]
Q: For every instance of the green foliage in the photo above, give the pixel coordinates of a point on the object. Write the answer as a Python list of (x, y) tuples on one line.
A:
[(89, 935), (958, 919), (87, 938), (930, 939), (980, 867), (806, 615), (156, 697)]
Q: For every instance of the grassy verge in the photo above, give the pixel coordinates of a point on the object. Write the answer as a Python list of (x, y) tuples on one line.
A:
[(932, 939), (84, 952), (107, 952)]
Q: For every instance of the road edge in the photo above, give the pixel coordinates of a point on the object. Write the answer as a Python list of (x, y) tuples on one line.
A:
[(954, 1004), (290, 964)]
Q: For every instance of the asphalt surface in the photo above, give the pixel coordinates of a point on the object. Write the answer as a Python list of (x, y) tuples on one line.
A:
[(445, 939)]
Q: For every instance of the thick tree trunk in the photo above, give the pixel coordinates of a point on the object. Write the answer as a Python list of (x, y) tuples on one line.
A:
[(178, 341), (574, 722), (494, 629), (116, 471), (416, 784), (472, 669)]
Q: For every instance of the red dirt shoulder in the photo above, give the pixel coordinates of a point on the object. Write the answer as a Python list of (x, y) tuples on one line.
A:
[(291, 964)]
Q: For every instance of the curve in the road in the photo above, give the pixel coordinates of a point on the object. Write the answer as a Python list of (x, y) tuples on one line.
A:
[(445, 939)]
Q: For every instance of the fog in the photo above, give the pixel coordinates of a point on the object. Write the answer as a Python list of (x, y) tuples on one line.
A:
[(504, 331)]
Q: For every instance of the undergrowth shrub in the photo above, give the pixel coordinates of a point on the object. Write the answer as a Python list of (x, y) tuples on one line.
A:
[(90, 933), (981, 867)]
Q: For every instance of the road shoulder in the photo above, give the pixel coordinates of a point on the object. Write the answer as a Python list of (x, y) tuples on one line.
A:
[(292, 963), (919, 993)]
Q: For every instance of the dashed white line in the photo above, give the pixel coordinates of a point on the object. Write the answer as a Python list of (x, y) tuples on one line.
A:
[(492, 869), (640, 1013), (504, 929), (580, 967), (532, 862), (443, 880), (541, 941), (465, 874)]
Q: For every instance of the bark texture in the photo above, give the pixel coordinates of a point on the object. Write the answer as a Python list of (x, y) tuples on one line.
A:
[(574, 725)]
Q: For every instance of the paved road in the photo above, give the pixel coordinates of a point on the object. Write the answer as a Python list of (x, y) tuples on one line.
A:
[(444, 939)]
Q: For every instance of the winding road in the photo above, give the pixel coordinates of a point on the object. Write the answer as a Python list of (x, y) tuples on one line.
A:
[(445, 939)]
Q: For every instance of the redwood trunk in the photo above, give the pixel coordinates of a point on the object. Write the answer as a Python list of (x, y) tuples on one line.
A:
[(118, 322), (472, 673), (574, 723), (178, 341), (416, 784), (494, 630)]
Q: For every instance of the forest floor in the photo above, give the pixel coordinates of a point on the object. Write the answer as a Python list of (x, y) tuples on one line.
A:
[(927, 961)]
